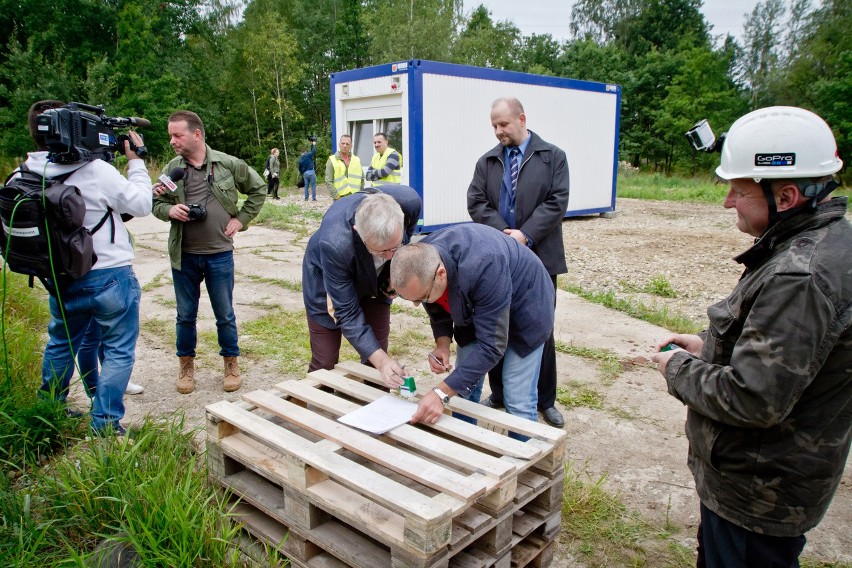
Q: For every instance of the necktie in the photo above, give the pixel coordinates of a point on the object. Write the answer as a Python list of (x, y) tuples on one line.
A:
[(514, 156)]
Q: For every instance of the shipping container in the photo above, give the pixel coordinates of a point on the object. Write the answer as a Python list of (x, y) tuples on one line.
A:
[(438, 116)]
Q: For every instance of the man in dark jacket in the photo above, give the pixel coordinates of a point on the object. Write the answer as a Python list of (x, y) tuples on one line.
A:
[(347, 260), (494, 297), (768, 385), (520, 187)]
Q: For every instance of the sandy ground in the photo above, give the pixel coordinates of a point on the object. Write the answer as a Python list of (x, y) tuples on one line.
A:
[(636, 439)]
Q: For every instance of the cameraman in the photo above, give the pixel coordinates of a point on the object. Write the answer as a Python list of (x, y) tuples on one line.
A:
[(204, 218), (108, 295)]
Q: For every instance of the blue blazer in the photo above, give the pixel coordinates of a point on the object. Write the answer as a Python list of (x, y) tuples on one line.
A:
[(500, 294), (338, 264)]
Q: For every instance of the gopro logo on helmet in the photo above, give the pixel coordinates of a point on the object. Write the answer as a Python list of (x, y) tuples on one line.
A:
[(786, 159)]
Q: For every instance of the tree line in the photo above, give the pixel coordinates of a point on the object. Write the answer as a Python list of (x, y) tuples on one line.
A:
[(257, 72)]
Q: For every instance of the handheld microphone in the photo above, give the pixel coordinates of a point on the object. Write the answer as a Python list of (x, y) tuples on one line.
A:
[(170, 180)]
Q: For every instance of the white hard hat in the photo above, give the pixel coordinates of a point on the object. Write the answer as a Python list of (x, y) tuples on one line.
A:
[(779, 143)]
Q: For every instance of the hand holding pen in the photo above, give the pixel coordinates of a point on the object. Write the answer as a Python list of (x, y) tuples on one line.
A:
[(437, 365)]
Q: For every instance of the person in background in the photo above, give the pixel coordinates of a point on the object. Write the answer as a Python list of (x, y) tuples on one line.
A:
[(520, 187), (201, 245), (307, 167), (273, 171), (386, 166), (343, 172), (768, 385)]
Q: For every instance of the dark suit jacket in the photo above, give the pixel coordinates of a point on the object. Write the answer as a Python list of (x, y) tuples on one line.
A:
[(499, 294), (337, 263), (541, 198)]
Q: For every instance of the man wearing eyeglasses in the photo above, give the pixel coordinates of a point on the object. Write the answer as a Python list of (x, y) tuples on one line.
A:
[(494, 297), (348, 261)]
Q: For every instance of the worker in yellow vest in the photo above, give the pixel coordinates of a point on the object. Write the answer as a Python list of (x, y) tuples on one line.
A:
[(386, 166), (343, 172)]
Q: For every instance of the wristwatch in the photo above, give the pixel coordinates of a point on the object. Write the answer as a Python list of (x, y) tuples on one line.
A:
[(444, 397)]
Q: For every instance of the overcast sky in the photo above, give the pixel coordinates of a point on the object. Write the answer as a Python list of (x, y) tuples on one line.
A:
[(554, 16)]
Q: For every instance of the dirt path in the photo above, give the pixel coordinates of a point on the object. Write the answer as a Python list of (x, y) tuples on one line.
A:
[(637, 439)]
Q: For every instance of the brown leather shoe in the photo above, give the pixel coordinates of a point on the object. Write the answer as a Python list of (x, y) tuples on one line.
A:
[(232, 374), (186, 375)]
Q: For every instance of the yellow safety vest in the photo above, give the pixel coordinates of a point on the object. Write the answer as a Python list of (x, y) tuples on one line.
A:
[(379, 161), (347, 180)]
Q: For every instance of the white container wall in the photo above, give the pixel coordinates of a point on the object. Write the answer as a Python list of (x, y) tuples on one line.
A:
[(438, 116)]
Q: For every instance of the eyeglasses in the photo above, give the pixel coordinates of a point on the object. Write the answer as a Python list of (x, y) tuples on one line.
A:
[(385, 251), (425, 300)]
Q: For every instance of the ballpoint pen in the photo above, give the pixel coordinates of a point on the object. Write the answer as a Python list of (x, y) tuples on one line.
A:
[(438, 361)]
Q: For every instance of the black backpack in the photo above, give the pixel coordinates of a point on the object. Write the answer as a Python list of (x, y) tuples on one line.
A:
[(43, 233)]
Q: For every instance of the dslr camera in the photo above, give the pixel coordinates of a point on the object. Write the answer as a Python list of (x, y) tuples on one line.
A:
[(80, 132), (197, 212)]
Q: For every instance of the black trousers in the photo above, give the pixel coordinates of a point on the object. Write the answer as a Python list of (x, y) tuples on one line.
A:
[(546, 376), (325, 342), (722, 544), (272, 186)]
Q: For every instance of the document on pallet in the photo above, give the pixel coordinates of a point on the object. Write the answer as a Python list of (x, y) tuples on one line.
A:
[(381, 415)]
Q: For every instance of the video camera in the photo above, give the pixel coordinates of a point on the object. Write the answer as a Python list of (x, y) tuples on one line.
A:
[(702, 138), (80, 132)]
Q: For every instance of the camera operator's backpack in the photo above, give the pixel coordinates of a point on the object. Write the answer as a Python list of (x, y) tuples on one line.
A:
[(43, 233)]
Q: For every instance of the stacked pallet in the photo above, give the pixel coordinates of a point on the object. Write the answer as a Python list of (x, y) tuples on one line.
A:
[(452, 494)]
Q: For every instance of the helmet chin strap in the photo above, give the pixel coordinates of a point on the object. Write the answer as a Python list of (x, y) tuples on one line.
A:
[(815, 192)]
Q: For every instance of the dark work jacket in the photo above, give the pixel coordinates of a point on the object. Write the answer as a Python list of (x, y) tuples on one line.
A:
[(540, 200), (338, 263), (770, 398), (499, 295)]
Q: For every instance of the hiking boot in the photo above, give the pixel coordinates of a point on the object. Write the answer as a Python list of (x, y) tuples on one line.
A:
[(232, 374), (133, 388), (186, 376)]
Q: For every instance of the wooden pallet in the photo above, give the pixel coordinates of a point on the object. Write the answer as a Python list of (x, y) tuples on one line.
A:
[(417, 496)]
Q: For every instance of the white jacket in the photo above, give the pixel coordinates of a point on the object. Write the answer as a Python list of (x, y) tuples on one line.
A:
[(102, 187)]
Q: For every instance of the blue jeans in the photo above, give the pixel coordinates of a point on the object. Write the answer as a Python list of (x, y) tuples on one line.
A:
[(89, 355), (108, 299), (520, 382), (217, 272), (310, 183)]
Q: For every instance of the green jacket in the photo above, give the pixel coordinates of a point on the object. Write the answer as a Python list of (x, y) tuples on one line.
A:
[(769, 399), (231, 176)]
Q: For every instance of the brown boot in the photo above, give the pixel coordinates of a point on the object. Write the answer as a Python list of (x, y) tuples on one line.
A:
[(232, 374), (186, 376)]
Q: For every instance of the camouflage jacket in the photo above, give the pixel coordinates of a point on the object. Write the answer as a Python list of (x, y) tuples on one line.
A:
[(770, 398)]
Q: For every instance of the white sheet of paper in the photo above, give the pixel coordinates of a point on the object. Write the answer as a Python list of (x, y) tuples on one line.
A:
[(381, 415)]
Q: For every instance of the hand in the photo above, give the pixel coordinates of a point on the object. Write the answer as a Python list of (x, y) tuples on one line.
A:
[(691, 343), (179, 212), (429, 411), (517, 235), (137, 141), (232, 227), (439, 360), (159, 189)]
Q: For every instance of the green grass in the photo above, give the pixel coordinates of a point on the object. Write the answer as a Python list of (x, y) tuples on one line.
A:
[(576, 394), (149, 492), (291, 285), (660, 286), (674, 188), (634, 308), (289, 217), (601, 529), (608, 362)]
